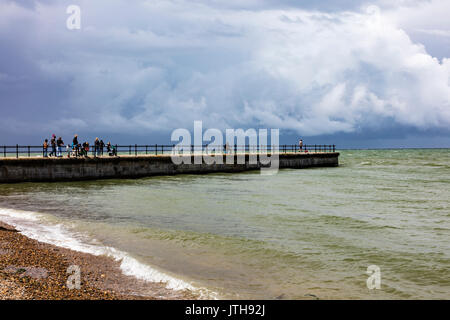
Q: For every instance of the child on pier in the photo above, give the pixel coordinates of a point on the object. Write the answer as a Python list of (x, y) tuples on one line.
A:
[(45, 148)]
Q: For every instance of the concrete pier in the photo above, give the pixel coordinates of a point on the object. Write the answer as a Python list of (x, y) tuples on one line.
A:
[(71, 169)]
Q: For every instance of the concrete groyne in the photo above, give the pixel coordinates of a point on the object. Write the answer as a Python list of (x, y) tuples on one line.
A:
[(72, 169)]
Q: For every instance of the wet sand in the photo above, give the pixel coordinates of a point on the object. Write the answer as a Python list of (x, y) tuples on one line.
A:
[(30, 269)]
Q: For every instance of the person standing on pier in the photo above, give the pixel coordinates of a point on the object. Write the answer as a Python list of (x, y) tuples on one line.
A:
[(53, 143), (300, 145), (75, 145), (45, 148), (59, 145), (96, 147), (102, 146)]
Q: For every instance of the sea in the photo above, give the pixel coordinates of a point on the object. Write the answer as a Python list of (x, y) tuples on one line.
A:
[(301, 233)]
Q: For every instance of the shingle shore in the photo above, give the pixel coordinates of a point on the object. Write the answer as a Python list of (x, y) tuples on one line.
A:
[(30, 269)]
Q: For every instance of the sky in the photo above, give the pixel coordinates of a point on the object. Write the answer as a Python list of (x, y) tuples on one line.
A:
[(355, 73)]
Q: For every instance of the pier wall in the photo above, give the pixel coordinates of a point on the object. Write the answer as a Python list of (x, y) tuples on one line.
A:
[(71, 169)]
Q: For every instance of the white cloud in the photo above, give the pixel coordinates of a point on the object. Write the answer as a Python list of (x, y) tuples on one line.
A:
[(159, 65)]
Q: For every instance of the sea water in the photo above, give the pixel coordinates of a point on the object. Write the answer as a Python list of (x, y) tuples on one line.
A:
[(294, 235)]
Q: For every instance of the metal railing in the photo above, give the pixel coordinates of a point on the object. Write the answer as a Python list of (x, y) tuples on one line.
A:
[(18, 151)]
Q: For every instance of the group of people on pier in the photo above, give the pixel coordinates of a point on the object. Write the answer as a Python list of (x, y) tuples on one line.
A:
[(77, 149)]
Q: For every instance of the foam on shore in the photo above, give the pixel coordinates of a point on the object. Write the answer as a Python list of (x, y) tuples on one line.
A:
[(31, 225)]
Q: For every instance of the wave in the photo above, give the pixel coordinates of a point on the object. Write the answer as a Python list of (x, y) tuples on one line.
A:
[(31, 225)]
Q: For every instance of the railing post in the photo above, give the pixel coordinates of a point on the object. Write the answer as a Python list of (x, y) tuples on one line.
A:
[(17, 151), (146, 149), (117, 151), (4, 151), (129, 150), (334, 148), (156, 149), (29, 154)]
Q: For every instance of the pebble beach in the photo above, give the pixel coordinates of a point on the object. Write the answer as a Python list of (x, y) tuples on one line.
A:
[(32, 270)]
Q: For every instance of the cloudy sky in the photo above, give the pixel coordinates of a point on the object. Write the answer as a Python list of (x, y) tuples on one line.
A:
[(352, 72)]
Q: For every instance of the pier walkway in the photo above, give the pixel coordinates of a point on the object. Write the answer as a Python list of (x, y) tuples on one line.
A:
[(136, 163)]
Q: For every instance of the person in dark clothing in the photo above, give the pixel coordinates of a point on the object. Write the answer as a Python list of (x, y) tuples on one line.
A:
[(111, 150), (75, 140), (96, 147), (53, 144), (59, 145), (75, 145), (85, 149), (102, 146)]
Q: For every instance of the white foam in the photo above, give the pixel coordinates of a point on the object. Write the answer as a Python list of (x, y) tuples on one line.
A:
[(31, 225)]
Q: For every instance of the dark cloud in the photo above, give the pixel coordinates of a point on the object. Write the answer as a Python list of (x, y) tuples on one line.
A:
[(138, 70)]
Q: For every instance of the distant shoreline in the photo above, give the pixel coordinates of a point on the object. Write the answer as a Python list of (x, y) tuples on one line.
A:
[(32, 270)]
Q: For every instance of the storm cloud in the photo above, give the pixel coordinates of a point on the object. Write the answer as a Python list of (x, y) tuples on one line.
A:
[(138, 67)]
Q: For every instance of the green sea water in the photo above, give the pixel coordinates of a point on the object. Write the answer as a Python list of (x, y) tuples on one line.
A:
[(294, 235)]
